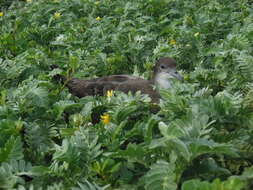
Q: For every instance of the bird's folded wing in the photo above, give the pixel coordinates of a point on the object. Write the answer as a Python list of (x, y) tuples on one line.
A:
[(100, 86)]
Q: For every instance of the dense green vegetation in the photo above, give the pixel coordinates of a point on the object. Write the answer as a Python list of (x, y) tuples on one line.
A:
[(201, 139)]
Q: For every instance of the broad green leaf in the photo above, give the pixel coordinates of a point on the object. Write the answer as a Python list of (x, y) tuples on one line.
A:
[(161, 176), (37, 96), (12, 150)]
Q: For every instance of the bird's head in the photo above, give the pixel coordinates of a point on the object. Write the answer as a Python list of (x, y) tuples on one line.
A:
[(164, 71)]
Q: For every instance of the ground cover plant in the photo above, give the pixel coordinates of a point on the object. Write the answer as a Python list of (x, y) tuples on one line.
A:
[(202, 137)]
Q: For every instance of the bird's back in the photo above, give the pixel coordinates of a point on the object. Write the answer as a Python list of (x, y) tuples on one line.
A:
[(124, 83)]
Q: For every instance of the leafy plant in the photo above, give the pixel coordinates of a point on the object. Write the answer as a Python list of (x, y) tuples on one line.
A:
[(198, 137)]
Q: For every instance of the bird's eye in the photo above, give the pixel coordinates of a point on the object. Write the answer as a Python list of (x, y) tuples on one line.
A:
[(162, 67)]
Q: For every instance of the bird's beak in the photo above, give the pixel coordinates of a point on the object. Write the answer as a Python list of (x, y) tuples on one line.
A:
[(176, 75)]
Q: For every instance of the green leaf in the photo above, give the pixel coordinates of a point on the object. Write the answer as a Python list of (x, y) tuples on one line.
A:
[(149, 128), (12, 150), (161, 176), (12, 173), (124, 112), (39, 170), (202, 146), (133, 152), (7, 179), (86, 185), (170, 141), (37, 96), (61, 106), (171, 131), (230, 184), (196, 185)]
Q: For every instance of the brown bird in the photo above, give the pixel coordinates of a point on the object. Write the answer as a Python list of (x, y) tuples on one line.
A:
[(164, 71)]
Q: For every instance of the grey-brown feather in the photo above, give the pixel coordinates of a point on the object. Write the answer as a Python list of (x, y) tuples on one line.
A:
[(100, 86)]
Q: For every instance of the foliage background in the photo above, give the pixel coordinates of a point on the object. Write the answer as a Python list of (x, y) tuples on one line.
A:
[(200, 139)]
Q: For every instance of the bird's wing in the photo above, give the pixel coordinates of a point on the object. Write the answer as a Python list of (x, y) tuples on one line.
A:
[(97, 86), (100, 86), (116, 78)]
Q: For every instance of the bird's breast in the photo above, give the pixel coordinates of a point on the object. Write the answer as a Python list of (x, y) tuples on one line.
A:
[(163, 80)]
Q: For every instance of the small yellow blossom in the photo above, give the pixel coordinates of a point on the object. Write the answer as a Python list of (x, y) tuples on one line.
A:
[(173, 42), (1, 14), (97, 3), (29, 1), (109, 93), (57, 15), (105, 118), (196, 34), (98, 18)]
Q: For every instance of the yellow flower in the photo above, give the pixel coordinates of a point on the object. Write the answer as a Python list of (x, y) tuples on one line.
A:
[(173, 42), (57, 15), (97, 3), (98, 18), (105, 118), (1, 14), (29, 1), (196, 34), (109, 93)]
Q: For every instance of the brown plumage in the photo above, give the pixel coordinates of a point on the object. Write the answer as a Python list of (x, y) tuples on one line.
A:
[(165, 69)]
